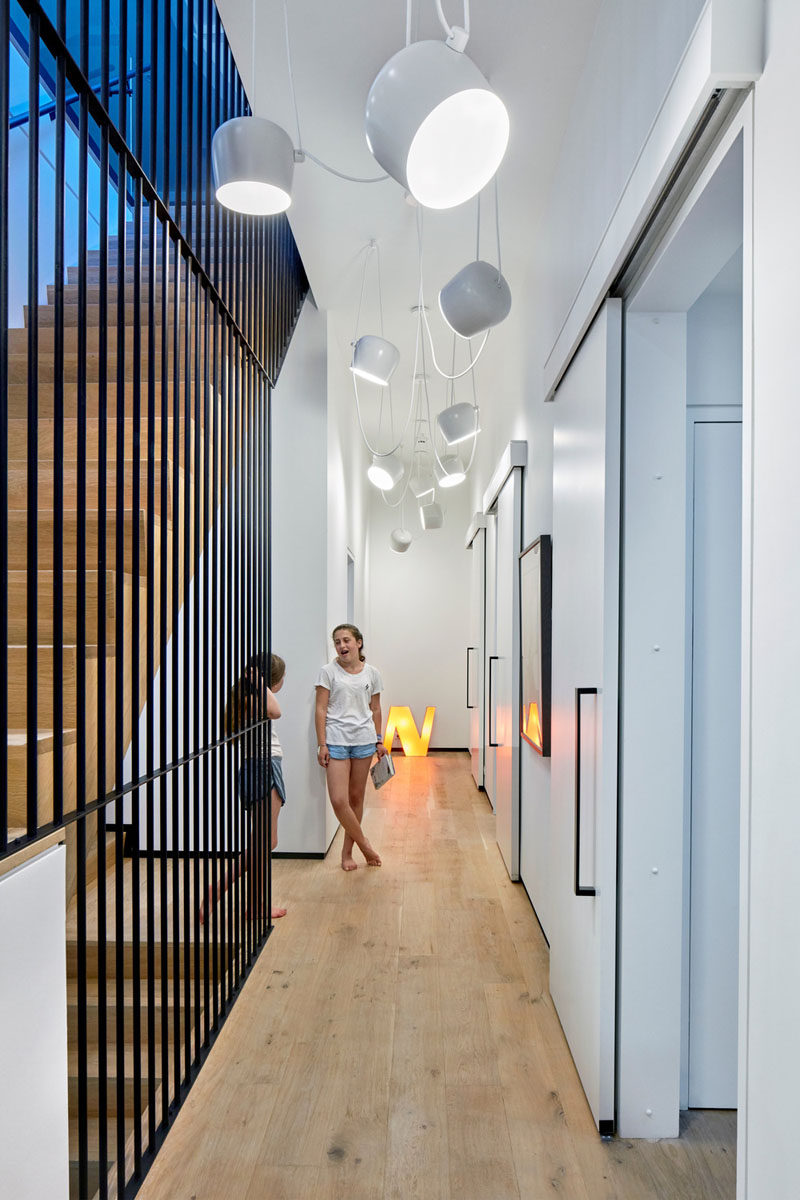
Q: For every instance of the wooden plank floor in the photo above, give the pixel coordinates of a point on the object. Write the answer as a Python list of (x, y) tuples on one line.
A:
[(397, 1039)]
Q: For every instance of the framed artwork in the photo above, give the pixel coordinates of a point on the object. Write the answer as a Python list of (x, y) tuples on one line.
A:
[(535, 567)]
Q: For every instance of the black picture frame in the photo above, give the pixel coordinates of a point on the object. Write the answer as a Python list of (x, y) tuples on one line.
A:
[(536, 594)]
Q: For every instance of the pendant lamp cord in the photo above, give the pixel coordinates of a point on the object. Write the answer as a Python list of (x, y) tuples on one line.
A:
[(478, 231), (443, 19), (497, 226), (301, 150)]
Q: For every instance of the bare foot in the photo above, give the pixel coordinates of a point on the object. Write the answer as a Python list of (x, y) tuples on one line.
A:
[(348, 863), (277, 912), (372, 856)]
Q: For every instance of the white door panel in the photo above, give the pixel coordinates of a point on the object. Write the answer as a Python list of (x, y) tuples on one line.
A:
[(506, 668), (586, 489), (490, 665), (476, 694), (716, 717)]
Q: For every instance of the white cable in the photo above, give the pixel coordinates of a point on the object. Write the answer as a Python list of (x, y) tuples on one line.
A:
[(443, 19), (300, 148), (497, 225), (395, 448), (341, 174), (369, 250), (478, 231), (408, 22)]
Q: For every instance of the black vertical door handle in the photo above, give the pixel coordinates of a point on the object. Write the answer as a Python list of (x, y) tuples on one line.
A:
[(580, 890), (493, 658)]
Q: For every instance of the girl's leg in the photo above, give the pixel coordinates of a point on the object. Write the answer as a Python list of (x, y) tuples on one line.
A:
[(359, 773), (275, 808), (339, 772)]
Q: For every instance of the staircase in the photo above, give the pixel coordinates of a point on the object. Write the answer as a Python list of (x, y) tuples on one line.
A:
[(102, 598)]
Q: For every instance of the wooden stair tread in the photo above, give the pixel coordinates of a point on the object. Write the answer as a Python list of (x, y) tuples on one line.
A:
[(45, 739)]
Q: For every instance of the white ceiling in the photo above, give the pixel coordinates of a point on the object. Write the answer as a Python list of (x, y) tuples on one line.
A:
[(530, 50)]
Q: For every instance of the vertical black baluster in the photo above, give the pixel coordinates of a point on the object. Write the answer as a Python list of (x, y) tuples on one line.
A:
[(251, 826), (166, 132), (4, 105), (33, 428), (215, 539), (58, 440), (231, 607), (150, 638), (189, 380), (169, 299), (81, 782), (189, 230), (102, 456), (156, 178), (197, 646), (217, 94), (135, 661), (119, 633), (208, 651), (177, 529), (239, 637), (210, 30), (179, 107)]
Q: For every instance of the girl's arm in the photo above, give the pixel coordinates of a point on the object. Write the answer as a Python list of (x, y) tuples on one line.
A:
[(320, 718), (273, 708), (375, 706)]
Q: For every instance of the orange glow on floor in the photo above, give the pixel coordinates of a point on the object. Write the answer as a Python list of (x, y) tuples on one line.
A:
[(400, 721)]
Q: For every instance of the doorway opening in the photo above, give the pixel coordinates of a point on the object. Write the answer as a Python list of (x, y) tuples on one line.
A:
[(680, 712)]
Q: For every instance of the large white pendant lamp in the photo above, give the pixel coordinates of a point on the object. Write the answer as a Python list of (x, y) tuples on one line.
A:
[(253, 164), (475, 299), (385, 471), (459, 422), (434, 124), (374, 359)]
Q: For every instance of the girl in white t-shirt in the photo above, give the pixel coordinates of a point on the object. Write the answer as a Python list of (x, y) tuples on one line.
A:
[(348, 725)]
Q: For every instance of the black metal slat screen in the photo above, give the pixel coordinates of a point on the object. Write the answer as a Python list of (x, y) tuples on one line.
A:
[(141, 329)]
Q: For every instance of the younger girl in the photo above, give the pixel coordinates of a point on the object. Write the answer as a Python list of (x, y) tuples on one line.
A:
[(348, 727)]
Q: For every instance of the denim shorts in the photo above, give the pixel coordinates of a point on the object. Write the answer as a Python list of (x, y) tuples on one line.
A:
[(254, 784), (352, 751)]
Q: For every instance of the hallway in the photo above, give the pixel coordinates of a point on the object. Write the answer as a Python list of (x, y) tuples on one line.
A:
[(396, 1039)]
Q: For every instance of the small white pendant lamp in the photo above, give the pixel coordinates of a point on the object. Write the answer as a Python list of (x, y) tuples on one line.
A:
[(431, 515), (400, 540), (434, 124), (385, 471), (458, 422), (253, 164), (450, 471), (475, 299), (374, 359)]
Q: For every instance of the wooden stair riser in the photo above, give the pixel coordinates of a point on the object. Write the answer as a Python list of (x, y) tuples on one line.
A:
[(18, 485), (46, 313), (71, 293), (93, 954), (18, 780), (17, 602), (18, 402), (17, 532), (18, 338), (133, 367), (17, 686)]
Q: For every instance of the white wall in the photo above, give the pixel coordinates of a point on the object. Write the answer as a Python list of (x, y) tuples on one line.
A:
[(714, 348), (299, 564), (770, 1055), (420, 605), (34, 1119)]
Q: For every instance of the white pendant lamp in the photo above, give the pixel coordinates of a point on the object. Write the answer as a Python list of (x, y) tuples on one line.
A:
[(434, 124), (431, 515), (385, 471), (400, 540), (475, 299), (450, 471), (374, 359), (253, 165), (458, 422)]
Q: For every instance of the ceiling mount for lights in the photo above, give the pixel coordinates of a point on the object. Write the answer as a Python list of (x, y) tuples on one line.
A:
[(434, 124), (385, 471), (374, 359), (475, 299), (458, 422), (253, 164)]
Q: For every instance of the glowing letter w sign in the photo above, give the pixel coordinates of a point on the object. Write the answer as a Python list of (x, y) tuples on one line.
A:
[(400, 720)]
